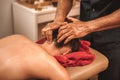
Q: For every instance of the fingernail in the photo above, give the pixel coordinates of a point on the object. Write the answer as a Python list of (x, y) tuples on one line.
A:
[(58, 41)]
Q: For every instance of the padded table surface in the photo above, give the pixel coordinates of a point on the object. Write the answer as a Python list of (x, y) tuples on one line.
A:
[(84, 72)]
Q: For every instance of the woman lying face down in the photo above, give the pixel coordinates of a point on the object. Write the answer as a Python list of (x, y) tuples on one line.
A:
[(22, 59)]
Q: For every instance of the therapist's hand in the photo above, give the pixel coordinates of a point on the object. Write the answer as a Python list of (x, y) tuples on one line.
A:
[(75, 29), (48, 29)]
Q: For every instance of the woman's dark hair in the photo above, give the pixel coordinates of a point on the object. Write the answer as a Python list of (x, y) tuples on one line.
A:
[(74, 43)]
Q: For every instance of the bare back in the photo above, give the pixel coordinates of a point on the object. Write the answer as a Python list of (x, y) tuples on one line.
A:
[(21, 59)]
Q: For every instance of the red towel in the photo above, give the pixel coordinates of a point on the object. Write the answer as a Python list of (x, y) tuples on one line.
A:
[(80, 58)]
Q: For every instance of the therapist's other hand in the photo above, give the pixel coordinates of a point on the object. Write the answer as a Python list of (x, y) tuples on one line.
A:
[(75, 29), (48, 29)]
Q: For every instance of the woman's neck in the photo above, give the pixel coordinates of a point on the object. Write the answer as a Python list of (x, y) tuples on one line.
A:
[(50, 48)]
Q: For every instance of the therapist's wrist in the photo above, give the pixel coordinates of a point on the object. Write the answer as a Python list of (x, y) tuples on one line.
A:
[(91, 26), (95, 25), (59, 19)]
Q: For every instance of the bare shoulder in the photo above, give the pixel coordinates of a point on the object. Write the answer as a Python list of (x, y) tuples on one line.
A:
[(14, 39), (12, 53), (17, 42), (22, 55)]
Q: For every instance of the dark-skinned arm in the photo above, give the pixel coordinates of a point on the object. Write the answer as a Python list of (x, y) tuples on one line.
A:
[(63, 8), (78, 29), (106, 22)]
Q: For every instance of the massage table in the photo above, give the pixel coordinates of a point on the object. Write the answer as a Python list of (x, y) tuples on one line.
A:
[(89, 72)]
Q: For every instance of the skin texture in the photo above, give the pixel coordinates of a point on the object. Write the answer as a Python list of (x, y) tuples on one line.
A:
[(22, 59), (77, 28), (62, 11)]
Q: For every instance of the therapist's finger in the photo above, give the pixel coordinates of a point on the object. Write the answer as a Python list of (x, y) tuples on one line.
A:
[(46, 35), (64, 36), (49, 36), (62, 28), (68, 39), (62, 32), (44, 31)]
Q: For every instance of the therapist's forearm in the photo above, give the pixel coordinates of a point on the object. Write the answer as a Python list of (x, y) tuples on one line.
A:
[(63, 8), (106, 22)]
